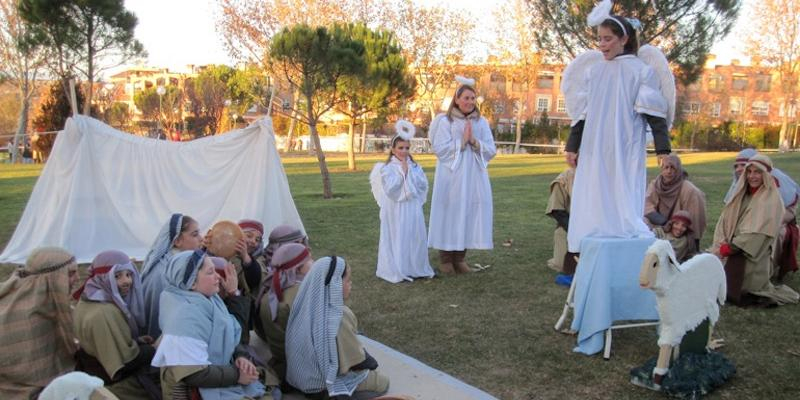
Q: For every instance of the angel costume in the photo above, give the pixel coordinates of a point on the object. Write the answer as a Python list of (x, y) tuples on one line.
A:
[(461, 206), (611, 103), (402, 251)]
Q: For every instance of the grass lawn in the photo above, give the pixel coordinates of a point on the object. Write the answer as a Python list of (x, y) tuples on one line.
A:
[(494, 329)]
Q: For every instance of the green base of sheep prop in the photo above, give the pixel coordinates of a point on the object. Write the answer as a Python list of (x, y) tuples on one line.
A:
[(688, 297)]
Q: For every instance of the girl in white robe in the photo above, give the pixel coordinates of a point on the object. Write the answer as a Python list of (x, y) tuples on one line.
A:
[(617, 97), (403, 247), (461, 206)]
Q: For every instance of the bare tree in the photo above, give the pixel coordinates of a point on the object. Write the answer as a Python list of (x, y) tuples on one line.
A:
[(435, 40), (774, 38), (19, 63), (517, 53)]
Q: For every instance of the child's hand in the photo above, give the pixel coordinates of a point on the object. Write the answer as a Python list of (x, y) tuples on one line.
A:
[(231, 281), (572, 159), (241, 248), (247, 371)]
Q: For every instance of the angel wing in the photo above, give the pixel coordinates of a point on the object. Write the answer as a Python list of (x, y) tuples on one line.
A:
[(376, 183), (573, 86), (653, 57)]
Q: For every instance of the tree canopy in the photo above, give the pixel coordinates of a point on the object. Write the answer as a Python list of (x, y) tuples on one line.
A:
[(684, 29)]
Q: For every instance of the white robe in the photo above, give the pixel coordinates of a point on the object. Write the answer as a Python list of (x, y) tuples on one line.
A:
[(461, 207), (403, 251), (609, 190)]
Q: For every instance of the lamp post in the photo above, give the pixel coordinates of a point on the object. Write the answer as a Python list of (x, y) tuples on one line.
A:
[(160, 90)]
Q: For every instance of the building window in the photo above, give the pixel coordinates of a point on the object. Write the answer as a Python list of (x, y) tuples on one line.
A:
[(561, 105), (543, 103), (736, 105), (763, 83), (498, 81), (691, 107), (544, 81), (715, 82), (519, 87), (715, 109), (760, 108), (739, 82), (499, 108)]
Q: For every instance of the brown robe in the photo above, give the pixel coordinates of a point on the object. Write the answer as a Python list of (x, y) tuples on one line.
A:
[(690, 199), (274, 332), (104, 334), (751, 222), (351, 353)]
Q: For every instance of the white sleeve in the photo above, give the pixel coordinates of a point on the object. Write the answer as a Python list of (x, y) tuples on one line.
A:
[(393, 183), (487, 149), (649, 99), (417, 183), (445, 146)]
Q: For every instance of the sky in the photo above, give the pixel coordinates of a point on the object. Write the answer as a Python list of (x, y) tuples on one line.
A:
[(176, 33)]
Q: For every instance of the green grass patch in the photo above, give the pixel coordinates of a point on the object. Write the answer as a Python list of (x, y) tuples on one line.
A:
[(494, 329)]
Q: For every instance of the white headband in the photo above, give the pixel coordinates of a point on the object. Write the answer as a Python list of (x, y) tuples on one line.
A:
[(602, 12)]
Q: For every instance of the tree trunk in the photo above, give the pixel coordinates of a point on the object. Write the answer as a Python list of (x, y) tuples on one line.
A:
[(351, 138), (90, 53), (292, 121), (519, 128), (363, 148), (22, 124), (327, 193), (783, 143)]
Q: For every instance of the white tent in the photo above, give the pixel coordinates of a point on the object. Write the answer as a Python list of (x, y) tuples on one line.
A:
[(105, 189)]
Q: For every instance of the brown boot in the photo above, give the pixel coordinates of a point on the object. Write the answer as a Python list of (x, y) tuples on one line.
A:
[(446, 262), (458, 261)]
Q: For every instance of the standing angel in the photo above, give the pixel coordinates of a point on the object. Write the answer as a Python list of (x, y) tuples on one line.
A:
[(612, 96), (400, 187)]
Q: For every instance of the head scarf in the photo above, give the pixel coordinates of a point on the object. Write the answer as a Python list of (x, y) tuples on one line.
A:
[(681, 215), (285, 262), (763, 213), (741, 158), (36, 322), (163, 243), (311, 352), (667, 193), (252, 224), (197, 330), (101, 286), (283, 234)]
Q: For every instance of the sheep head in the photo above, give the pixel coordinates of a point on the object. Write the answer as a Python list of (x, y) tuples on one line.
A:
[(657, 257)]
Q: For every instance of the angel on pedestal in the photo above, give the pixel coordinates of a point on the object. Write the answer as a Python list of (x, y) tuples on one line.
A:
[(614, 96)]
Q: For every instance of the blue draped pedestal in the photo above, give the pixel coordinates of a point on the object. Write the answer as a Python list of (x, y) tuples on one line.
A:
[(607, 289)]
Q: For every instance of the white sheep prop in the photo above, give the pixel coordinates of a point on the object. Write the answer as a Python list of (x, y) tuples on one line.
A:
[(686, 295)]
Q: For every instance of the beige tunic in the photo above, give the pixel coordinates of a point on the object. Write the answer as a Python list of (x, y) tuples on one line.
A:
[(104, 334), (274, 332), (690, 199), (560, 198), (351, 353)]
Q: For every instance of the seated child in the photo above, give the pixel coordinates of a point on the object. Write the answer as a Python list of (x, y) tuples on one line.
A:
[(677, 231), (291, 262), (109, 321), (36, 332), (320, 324), (199, 349), (179, 234)]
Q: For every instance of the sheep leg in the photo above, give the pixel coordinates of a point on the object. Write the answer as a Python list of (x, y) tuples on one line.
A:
[(714, 344), (662, 365)]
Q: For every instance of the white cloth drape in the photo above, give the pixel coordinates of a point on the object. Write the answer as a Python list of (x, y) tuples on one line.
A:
[(610, 181), (106, 189)]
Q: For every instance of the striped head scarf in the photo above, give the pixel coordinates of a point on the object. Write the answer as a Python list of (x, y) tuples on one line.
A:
[(311, 352), (37, 340), (101, 286)]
